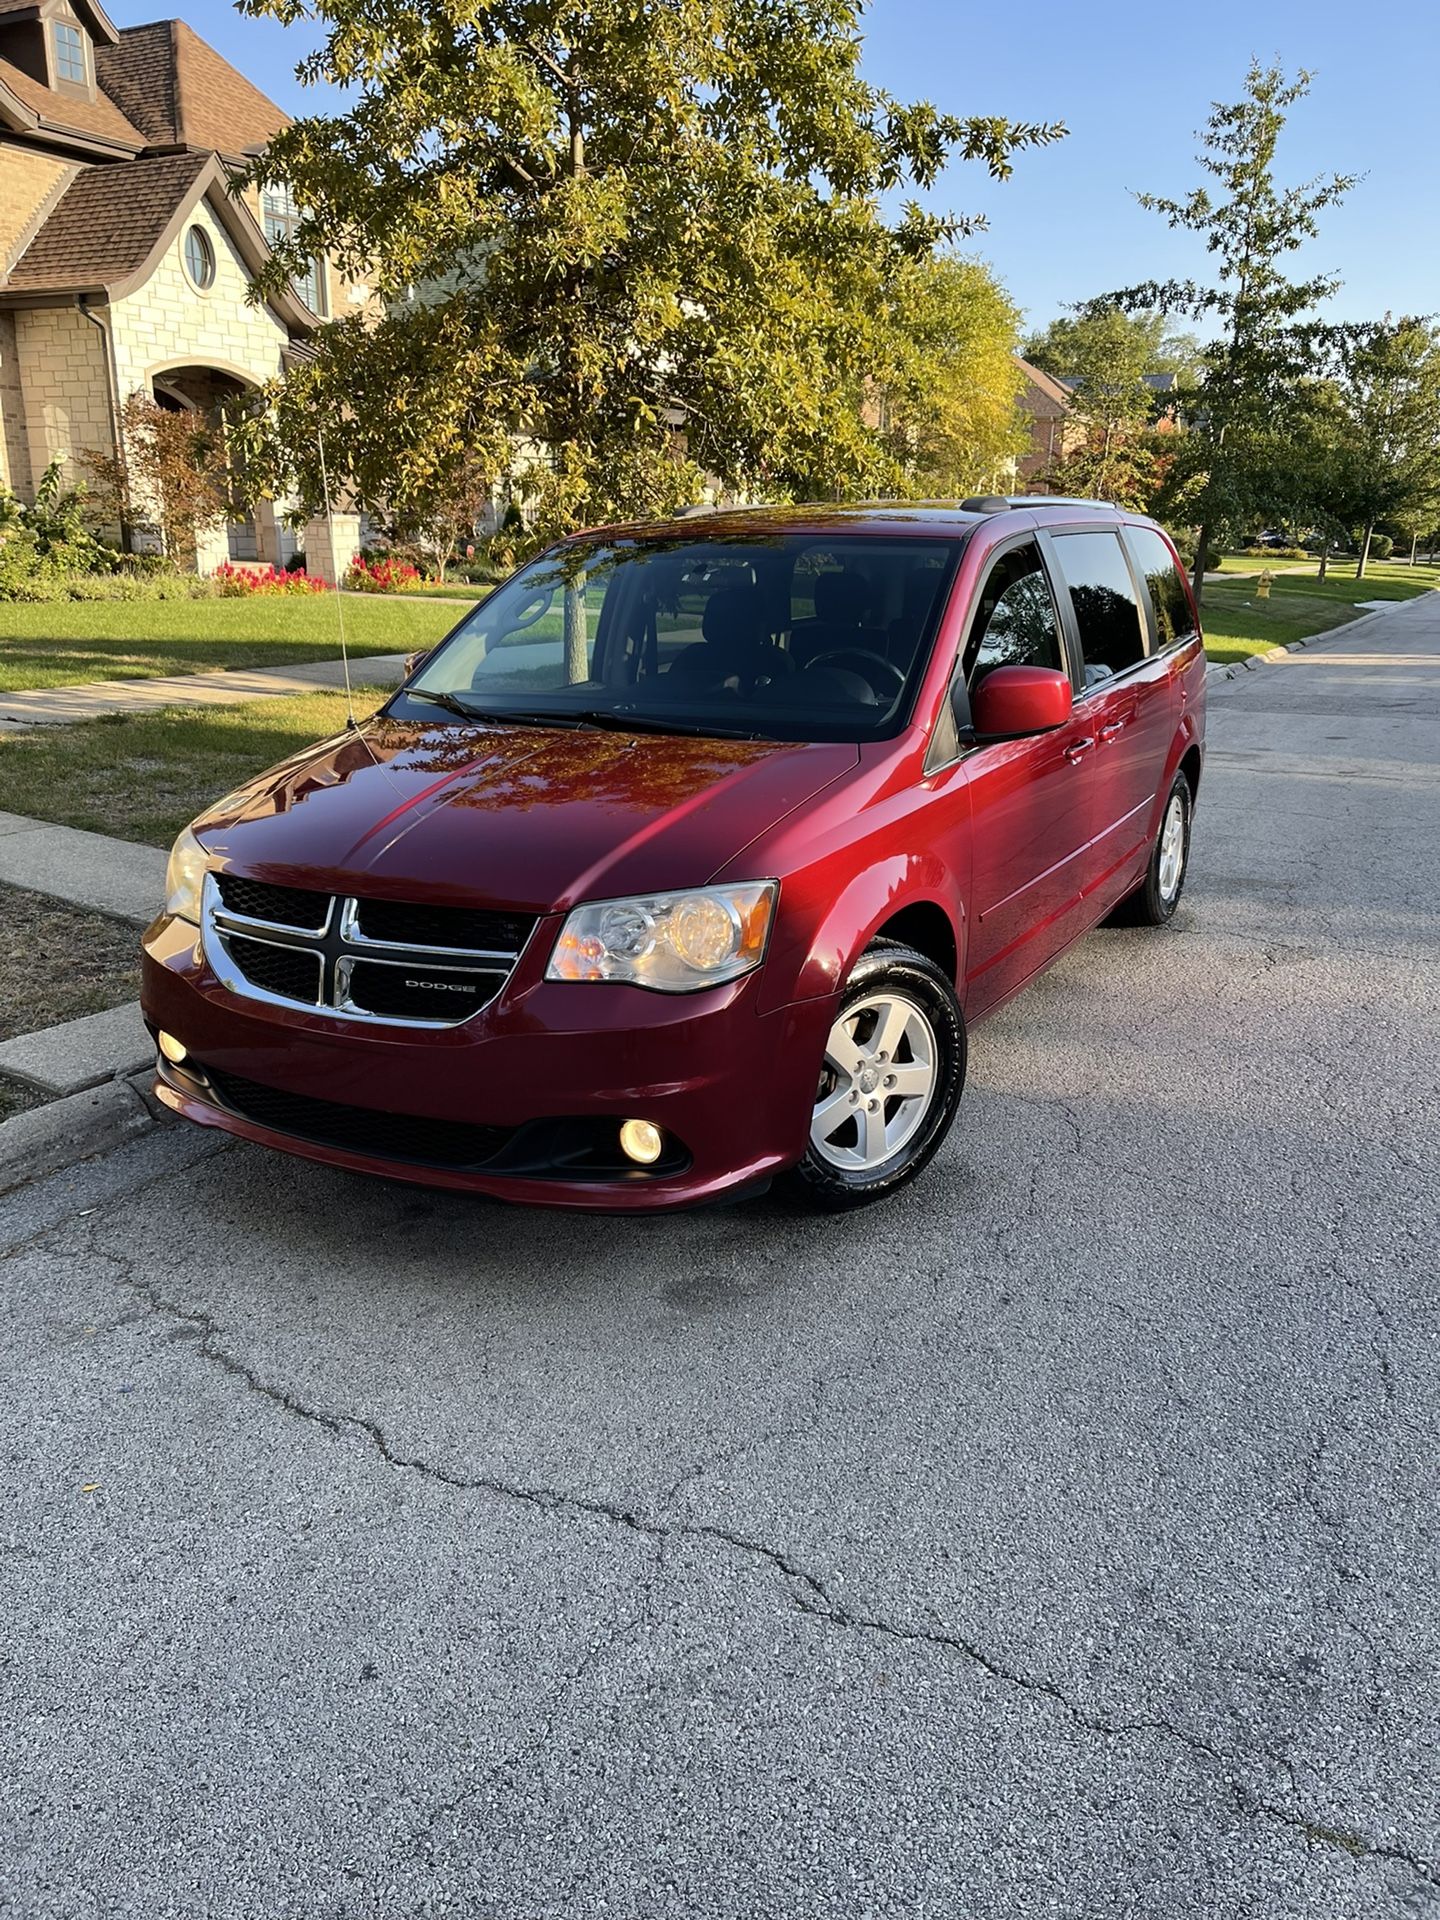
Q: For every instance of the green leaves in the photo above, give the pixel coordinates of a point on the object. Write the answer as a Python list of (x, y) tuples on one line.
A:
[(622, 248)]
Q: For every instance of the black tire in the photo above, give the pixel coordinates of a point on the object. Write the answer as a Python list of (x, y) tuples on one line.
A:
[(1149, 905), (886, 967)]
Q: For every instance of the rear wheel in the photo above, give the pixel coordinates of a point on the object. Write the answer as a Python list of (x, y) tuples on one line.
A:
[(1156, 898), (891, 1080)]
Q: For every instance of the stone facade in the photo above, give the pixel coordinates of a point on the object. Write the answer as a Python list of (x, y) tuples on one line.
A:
[(109, 196), (170, 323), (64, 387)]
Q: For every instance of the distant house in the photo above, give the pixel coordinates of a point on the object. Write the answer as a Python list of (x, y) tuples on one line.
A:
[(1053, 432), (125, 258)]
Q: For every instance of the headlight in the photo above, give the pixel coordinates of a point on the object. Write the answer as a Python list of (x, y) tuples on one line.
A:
[(676, 942), (184, 878)]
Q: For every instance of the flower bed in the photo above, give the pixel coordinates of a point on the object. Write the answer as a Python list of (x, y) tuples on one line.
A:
[(379, 575), (237, 583)]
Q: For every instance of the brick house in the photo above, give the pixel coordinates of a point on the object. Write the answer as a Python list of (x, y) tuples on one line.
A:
[(125, 258), (1053, 433)]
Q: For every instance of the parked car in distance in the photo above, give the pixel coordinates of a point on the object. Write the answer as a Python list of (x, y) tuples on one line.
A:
[(692, 856)]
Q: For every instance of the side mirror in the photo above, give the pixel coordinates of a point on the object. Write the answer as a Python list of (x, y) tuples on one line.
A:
[(414, 661), (1018, 700)]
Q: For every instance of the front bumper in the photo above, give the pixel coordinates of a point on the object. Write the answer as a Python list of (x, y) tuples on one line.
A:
[(731, 1088)]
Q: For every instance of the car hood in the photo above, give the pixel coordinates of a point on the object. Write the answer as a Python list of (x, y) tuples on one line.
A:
[(514, 816)]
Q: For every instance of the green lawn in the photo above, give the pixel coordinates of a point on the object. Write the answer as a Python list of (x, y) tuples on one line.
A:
[(142, 776), (77, 641), (453, 590), (1252, 563), (1236, 623)]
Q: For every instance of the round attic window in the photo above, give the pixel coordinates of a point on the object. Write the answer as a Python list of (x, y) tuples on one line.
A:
[(200, 258)]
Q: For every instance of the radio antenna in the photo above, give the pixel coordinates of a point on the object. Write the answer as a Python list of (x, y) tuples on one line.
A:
[(339, 584)]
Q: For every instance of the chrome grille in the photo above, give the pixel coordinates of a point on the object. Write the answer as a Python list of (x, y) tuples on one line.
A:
[(282, 906), (356, 958)]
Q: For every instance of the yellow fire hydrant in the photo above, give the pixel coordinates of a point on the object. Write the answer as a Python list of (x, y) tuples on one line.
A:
[(1263, 584)]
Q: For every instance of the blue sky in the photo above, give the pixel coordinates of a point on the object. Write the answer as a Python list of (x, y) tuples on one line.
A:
[(1133, 80)]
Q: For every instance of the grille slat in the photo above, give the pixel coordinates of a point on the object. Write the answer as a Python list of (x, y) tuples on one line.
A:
[(282, 906), (292, 972), (471, 929), (418, 992), (332, 1123)]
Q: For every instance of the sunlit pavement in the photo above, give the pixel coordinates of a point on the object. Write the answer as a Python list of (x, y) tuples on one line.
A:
[(1060, 1539)]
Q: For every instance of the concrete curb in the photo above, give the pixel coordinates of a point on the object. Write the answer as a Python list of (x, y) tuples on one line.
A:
[(48, 1139), (1237, 669)]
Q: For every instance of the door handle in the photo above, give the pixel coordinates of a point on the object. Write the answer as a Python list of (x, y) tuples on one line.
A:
[(1114, 730), (1077, 750)]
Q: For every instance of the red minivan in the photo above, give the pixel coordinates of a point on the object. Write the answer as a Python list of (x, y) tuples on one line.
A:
[(691, 856)]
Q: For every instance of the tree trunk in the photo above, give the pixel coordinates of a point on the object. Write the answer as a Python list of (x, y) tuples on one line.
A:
[(1324, 561), (577, 651), (1414, 545), (1198, 576), (1364, 552)]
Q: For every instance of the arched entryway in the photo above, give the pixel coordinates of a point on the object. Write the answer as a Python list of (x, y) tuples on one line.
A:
[(252, 534)]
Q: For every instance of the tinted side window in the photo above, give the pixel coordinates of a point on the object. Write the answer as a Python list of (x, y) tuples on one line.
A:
[(1173, 618), (1015, 623), (1112, 634)]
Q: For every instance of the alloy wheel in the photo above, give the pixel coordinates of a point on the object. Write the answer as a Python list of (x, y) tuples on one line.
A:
[(877, 1083), (1172, 848)]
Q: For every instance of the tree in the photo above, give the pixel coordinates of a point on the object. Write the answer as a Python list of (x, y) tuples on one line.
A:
[(1390, 393), (619, 248), (1268, 339), (170, 469), (955, 426), (1103, 355)]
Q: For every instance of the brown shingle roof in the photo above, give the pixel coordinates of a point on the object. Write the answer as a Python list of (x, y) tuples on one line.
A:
[(1045, 383), (100, 116), (106, 225), (139, 76), (182, 93)]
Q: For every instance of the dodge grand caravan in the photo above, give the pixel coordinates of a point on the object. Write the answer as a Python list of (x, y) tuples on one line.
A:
[(690, 857)]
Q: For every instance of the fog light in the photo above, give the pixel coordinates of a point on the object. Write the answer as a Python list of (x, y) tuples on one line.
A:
[(640, 1141), (172, 1049)]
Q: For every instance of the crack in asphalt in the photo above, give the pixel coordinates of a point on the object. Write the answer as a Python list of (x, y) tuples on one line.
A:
[(807, 1591)]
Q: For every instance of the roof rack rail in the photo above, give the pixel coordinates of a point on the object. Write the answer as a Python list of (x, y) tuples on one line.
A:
[(1062, 500)]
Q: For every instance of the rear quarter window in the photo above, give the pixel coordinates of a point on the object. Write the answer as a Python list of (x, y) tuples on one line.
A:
[(1174, 620), (1102, 592)]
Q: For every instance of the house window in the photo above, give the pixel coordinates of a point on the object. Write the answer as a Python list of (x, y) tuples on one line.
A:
[(281, 217), (70, 62), (200, 258)]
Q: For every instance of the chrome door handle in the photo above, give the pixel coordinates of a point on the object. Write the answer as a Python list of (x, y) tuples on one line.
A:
[(1114, 730), (1077, 750)]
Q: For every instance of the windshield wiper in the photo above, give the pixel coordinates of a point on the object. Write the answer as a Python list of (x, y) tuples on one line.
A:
[(500, 717), (446, 700), (608, 719), (625, 720)]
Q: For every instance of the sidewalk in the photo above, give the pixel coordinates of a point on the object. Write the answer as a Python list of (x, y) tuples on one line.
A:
[(61, 706), (87, 869)]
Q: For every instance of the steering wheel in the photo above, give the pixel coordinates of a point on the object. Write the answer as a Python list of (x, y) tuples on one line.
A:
[(860, 660)]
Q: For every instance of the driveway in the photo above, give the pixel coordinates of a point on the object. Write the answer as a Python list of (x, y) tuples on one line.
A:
[(1060, 1539)]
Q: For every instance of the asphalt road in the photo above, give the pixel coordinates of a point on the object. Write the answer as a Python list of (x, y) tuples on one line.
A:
[(1060, 1540)]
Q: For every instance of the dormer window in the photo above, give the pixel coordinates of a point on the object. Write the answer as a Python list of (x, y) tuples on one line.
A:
[(280, 217), (71, 54)]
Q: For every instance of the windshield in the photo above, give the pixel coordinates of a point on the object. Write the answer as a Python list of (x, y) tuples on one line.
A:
[(787, 636)]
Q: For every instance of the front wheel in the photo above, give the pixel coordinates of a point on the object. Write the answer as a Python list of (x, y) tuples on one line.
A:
[(892, 1077)]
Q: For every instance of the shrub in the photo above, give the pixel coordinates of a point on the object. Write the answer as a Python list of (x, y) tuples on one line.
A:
[(382, 575), (1381, 546), (240, 583), (1277, 553)]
